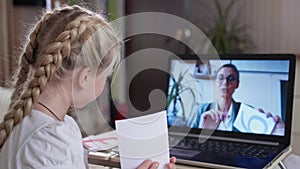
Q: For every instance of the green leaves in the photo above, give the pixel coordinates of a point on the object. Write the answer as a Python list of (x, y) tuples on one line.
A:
[(227, 34), (177, 89)]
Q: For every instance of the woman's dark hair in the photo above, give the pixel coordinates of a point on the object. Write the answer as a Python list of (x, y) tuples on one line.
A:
[(233, 67)]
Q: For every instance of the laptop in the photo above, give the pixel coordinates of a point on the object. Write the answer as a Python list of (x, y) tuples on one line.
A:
[(243, 133)]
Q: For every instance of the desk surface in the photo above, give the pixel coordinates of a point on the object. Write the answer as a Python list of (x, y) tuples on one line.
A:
[(112, 160)]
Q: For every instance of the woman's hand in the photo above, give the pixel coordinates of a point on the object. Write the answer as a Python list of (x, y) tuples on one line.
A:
[(211, 119), (148, 164), (279, 127), (213, 114)]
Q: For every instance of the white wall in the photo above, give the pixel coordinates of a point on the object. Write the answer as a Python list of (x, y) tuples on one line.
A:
[(296, 112), (273, 24), (261, 90)]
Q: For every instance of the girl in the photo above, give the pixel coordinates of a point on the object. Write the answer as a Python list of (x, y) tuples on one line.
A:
[(64, 65)]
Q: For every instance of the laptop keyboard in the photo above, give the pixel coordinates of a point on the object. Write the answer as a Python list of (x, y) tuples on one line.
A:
[(223, 147)]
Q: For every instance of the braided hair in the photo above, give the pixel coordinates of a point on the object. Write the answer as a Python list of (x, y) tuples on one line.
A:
[(54, 46)]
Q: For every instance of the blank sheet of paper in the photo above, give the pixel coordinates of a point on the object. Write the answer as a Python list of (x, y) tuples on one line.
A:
[(143, 138)]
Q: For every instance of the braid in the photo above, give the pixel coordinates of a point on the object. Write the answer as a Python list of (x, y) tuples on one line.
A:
[(26, 60), (23, 106), (46, 63)]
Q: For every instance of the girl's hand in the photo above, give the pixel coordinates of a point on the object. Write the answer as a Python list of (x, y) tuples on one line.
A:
[(172, 165), (148, 164)]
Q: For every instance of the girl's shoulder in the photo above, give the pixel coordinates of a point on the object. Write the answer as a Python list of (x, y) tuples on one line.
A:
[(44, 127), (55, 143)]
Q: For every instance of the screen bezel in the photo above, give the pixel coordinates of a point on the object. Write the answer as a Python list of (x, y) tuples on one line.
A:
[(289, 107)]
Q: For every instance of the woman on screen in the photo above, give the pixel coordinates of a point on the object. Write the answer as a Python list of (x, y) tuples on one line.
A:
[(221, 114)]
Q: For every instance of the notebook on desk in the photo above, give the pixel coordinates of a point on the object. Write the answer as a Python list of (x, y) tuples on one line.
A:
[(243, 134)]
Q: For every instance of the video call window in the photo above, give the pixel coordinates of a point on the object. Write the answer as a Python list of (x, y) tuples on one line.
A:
[(262, 85)]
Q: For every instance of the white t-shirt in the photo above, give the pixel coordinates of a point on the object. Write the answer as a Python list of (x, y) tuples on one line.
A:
[(226, 123), (39, 141)]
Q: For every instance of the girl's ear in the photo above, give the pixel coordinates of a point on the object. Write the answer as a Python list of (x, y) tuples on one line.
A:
[(84, 77)]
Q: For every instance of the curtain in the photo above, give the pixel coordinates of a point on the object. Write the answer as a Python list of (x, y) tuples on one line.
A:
[(6, 17)]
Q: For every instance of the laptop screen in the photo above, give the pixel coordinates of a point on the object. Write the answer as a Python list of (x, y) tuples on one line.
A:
[(247, 94)]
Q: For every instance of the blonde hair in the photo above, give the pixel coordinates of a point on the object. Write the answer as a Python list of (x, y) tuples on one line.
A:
[(65, 38)]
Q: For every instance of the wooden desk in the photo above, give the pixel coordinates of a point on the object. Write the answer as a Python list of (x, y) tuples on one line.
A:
[(109, 159), (112, 160)]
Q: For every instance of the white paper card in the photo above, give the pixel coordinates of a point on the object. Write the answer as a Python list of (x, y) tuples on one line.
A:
[(250, 120), (143, 138)]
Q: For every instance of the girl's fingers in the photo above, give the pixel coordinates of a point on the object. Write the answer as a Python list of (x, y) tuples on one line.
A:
[(148, 164), (173, 160), (154, 165), (171, 166), (145, 164)]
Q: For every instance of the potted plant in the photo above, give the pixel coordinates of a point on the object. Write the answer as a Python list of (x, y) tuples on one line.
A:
[(227, 34), (175, 103)]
